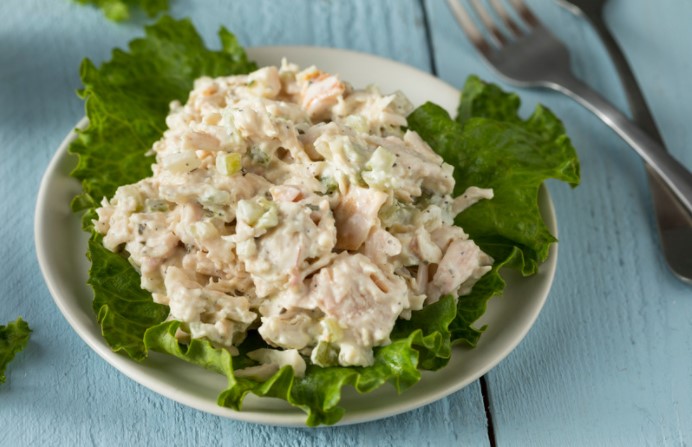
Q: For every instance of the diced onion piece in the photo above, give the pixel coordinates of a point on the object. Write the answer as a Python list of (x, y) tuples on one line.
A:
[(271, 361), (182, 162), (357, 123)]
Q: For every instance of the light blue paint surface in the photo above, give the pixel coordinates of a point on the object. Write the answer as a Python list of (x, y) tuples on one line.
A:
[(609, 361)]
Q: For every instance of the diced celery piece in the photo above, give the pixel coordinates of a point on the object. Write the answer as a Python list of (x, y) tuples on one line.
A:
[(259, 213), (156, 205), (329, 184), (378, 170), (258, 156), (331, 329), (270, 218), (396, 213), (249, 211), (215, 197), (229, 164), (325, 354), (381, 159)]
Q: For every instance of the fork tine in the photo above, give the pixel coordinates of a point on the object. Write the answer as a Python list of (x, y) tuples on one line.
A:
[(489, 23), (469, 28), (525, 13), (506, 18)]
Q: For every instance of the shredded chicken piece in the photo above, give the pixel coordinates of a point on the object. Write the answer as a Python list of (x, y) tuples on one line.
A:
[(356, 215)]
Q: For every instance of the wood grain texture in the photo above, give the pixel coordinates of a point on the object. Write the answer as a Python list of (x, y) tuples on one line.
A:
[(59, 392), (609, 361)]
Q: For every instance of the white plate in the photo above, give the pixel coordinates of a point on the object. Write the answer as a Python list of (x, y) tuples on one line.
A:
[(61, 245)]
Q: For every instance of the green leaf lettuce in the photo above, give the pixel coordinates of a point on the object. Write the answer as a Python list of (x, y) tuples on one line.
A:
[(127, 100), (120, 10), (491, 146), (13, 338), (423, 342)]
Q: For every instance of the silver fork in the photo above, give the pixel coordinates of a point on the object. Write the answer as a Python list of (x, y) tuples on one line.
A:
[(534, 57), (674, 223)]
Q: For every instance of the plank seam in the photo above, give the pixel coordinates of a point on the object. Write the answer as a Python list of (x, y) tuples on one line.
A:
[(488, 414), (428, 38)]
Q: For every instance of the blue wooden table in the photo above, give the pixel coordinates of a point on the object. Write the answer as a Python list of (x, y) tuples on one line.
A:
[(609, 361)]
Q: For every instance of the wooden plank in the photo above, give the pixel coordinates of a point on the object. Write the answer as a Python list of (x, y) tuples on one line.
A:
[(608, 361), (391, 28), (60, 392)]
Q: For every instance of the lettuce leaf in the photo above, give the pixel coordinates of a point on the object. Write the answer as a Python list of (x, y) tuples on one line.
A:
[(13, 338), (491, 146), (123, 309), (422, 342), (127, 101), (120, 10)]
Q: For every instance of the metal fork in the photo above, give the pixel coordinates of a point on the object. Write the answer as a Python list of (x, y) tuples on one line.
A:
[(673, 222), (534, 57)]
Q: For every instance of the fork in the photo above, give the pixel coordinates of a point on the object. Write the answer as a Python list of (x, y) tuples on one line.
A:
[(674, 224), (534, 57)]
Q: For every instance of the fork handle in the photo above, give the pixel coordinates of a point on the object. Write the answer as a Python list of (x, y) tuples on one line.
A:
[(673, 221), (635, 98), (671, 171)]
